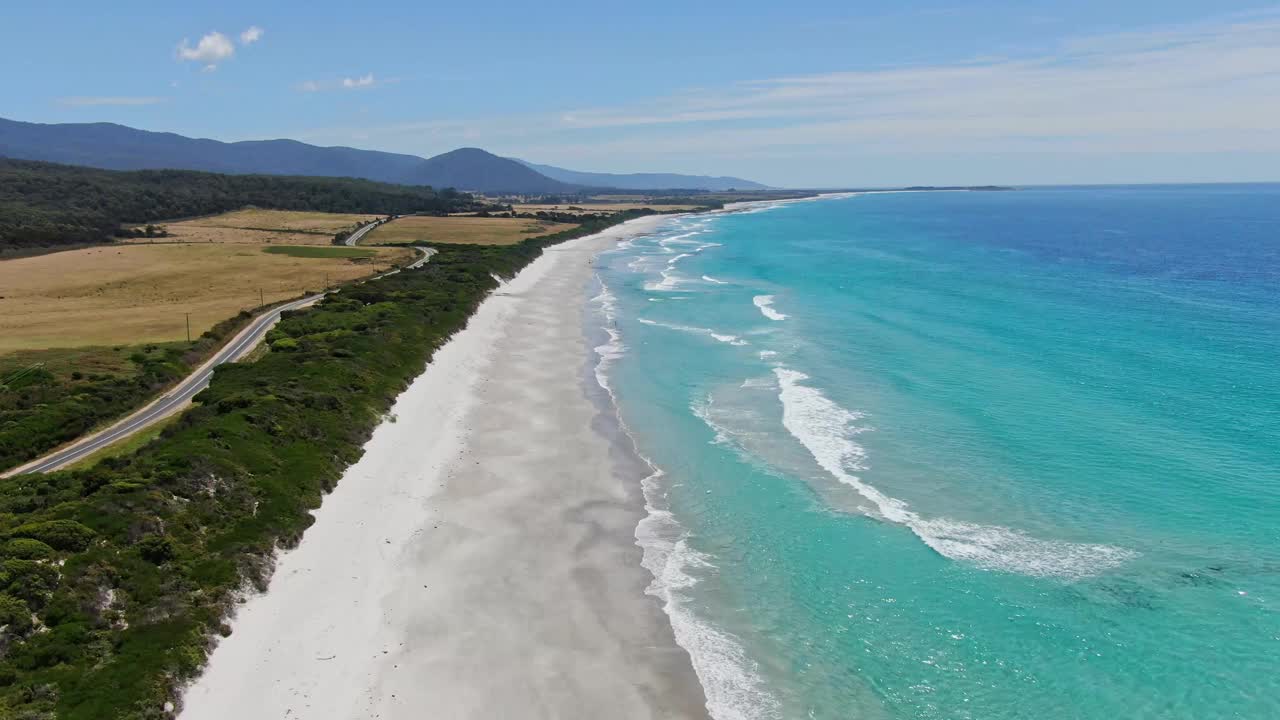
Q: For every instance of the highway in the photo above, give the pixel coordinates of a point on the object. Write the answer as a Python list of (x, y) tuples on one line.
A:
[(178, 397)]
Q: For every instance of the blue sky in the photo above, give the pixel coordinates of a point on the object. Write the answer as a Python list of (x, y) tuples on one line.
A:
[(798, 94)]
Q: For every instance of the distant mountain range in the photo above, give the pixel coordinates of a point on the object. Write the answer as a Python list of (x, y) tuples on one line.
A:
[(644, 181), (116, 147)]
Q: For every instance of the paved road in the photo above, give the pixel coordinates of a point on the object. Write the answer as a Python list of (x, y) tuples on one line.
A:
[(177, 398), (355, 236)]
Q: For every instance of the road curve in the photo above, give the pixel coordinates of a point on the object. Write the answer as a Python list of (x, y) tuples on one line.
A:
[(355, 236), (178, 397)]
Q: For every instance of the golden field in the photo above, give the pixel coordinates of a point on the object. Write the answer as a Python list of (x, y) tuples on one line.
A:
[(468, 230), (285, 227), (580, 208), (128, 294)]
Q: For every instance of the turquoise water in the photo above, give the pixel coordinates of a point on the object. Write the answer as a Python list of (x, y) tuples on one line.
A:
[(963, 455)]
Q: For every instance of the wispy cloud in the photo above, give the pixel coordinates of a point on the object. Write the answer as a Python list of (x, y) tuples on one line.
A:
[(210, 50), (251, 35), (347, 83), (1212, 87), (1152, 86), (359, 82), (82, 101)]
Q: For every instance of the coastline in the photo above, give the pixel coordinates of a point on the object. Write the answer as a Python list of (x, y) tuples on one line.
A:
[(480, 558)]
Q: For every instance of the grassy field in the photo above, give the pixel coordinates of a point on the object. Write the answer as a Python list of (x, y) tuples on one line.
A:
[(470, 230), (320, 251), (285, 227), (131, 294), (603, 207)]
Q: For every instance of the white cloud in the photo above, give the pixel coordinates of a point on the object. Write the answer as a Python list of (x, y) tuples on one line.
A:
[(84, 101), (1207, 88), (252, 35), (1200, 86), (359, 82), (346, 83), (210, 50)]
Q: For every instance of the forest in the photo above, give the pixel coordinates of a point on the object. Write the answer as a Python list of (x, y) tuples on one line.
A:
[(45, 205)]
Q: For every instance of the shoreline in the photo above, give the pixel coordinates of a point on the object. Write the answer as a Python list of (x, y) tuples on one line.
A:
[(480, 559)]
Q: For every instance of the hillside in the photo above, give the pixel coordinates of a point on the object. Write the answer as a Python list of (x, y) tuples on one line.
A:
[(116, 147), (44, 205), (644, 181), (475, 169)]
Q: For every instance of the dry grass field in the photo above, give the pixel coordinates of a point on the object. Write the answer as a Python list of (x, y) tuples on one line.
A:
[(580, 208), (130, 294), (469, 230), (284, 227)]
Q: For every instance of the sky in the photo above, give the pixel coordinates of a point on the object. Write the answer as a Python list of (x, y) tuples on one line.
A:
[(796, 94)]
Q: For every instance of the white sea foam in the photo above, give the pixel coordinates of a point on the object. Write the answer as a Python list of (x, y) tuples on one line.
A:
[(678, 258), (729, 678), (828, 432), (669, 283), (681, 239), (722, 337), (714, 281), (614, 349), (766, 354), (765, 303)]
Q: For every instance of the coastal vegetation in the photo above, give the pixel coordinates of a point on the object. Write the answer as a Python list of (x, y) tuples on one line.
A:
[(48, 205), (116, 578), (50, 397)]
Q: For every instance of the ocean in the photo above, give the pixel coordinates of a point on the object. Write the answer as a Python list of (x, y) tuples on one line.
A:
[(983, 455)]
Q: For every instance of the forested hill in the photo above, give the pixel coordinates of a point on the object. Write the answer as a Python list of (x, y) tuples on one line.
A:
[(45, 205), (116, 147)]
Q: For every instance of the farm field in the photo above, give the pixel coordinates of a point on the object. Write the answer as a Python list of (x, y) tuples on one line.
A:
[(469, 230), (284, 227), (582, 208), (129, 294)]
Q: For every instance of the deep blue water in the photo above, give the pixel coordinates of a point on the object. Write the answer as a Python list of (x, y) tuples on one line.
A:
[(964, 455)]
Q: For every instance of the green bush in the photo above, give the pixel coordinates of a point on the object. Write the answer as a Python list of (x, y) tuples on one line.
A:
[(67, 535), (27, 549), (156, 549), (15, 615)]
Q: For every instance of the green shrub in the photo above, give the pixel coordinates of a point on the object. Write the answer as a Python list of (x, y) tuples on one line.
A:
[(27, 549), (14, 614), (156, 549), (65, 535)]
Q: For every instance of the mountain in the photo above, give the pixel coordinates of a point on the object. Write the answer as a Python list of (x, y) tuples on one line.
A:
[(473, 168), (116, 147), (644, 181)]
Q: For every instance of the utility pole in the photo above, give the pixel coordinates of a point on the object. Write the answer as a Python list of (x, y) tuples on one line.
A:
[(188, 327), (261, 298)]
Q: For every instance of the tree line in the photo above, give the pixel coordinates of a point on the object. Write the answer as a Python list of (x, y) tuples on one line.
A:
[(50, 205)]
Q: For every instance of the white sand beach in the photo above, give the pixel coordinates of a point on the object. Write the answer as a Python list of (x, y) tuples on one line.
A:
[(479, 561)]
